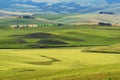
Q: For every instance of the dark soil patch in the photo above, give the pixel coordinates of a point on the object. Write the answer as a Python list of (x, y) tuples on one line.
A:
[(22, 41), (51, 41), (26, 70), (109, 52), (47, 46), (36, 35), (22, 70), (50, 36), (52, 60)]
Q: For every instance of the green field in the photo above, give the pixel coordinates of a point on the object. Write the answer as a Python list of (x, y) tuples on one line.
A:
[(68, 52), (58, 64), (58, 36)]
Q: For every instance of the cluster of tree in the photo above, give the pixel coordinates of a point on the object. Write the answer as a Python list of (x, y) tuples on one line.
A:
[(59, 24), (104, 24), (106, 12), (26, 17)]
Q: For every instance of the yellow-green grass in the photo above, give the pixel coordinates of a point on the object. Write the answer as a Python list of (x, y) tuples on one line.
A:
[(58, 64), (105, 49)]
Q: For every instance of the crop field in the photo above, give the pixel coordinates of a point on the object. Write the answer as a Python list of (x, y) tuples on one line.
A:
[(70, 52), (58, 64)]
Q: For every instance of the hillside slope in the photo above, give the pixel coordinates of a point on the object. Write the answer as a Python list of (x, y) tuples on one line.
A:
[(59, 6), (90, 18), (105, 49), (10, 13)]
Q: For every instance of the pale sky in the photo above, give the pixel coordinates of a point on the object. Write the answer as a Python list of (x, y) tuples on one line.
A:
[(81, 2), (52, 1)]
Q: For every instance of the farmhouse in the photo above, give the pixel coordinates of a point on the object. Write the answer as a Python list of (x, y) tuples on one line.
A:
[(13, 26), (32, 25), (23, 26)]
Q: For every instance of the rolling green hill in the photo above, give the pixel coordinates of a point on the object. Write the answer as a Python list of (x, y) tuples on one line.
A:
[(58, 36), (52, 16), (64, 18), (15, 21)]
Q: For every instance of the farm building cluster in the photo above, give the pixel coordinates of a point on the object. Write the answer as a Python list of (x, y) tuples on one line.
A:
[(22, 26), (35, 25)]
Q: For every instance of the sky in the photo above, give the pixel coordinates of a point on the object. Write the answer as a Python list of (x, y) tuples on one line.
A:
[(81, 2), (52, 1)]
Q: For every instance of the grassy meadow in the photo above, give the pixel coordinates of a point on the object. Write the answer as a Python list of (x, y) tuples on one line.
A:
[(68, 52), (58, 64), (58, 36)]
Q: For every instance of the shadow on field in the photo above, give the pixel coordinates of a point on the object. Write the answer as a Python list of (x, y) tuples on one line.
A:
[(51, 41), (43, 35), (108, 52), (20, 40), (52, 60), (36, 35), (22, 70)]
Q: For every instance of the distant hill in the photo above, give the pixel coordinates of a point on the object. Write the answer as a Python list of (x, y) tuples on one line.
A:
[(60, 6), (8, 13), (113, 8), (90, 18)]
